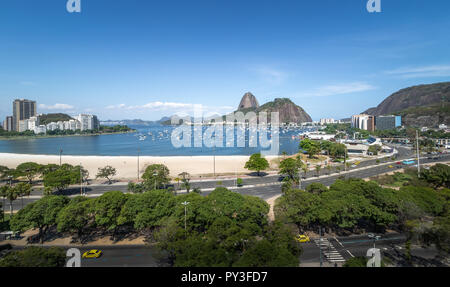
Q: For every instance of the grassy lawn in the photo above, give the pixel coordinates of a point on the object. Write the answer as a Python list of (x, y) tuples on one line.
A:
[(398, 179)]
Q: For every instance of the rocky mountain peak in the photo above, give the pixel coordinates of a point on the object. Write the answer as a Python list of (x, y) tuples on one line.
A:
[(248, 101)]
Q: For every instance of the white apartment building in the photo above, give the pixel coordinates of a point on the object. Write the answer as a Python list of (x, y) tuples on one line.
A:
[(327, 121), (72, 125), (33, 122), (23, 126), (52, 126), (42, 129), (60, 125), (82, 122), (88, 122), (363, 122), (66, 125)]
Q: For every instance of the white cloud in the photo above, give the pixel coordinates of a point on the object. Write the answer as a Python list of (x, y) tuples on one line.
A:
[(421, 72), (112, 107), (340, 89), (271, 75), (56, 107), (173, 107)]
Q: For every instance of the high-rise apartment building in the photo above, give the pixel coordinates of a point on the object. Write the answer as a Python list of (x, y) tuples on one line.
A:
[(22, 110), (88, 122), (8, 124), (364, 122), (388, 122)]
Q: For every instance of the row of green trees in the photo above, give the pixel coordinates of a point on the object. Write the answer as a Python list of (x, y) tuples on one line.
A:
[(53, 176), (354, 205), (221, 229), (335, 150)]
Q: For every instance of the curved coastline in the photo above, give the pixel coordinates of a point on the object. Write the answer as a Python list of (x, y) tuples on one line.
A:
[(127, 165)]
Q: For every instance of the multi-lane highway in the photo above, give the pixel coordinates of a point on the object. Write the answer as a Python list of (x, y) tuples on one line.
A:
[(264, 187), (330, 250)]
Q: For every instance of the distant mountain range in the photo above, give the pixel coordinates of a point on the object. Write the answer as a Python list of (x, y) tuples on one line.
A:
[(136, 122), (424, 105)]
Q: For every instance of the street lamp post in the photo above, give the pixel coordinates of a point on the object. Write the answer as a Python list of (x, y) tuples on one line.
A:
[(81, 182), (185, 215), (320, 245), (214, 154), (138, 165), (418, 153), (154, 175), (299, 179)]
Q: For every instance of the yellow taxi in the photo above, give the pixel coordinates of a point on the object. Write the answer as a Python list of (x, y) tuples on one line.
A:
[(391, 166), (302, 238), (357, 163), (94, 253)]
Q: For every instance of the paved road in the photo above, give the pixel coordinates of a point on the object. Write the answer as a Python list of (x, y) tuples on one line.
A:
[(338, 250), (334, 250), (264, 187)]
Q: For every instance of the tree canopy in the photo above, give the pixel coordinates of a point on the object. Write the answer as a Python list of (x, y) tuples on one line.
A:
[(257, 163)]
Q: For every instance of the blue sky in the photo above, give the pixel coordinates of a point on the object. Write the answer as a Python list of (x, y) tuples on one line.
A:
[(147, 59)]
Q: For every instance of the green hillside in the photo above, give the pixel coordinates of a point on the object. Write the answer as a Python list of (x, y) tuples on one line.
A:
[(48, 118)]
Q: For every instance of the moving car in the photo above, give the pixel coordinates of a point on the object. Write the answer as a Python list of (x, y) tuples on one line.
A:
[(94, 253), (391, 166), (302, 238)]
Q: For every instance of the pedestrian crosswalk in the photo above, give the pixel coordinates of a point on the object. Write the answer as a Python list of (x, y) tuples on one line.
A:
[(329, 251)]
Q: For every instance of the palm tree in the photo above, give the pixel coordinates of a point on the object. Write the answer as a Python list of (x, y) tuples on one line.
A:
[(329, 169), (177, 179), (23, 189), (305, 169), (318, 167), (11, 195), (186, 178), (348, 165), (3, 190)]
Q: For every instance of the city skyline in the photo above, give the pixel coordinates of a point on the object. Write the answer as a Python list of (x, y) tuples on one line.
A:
[(133, 59)]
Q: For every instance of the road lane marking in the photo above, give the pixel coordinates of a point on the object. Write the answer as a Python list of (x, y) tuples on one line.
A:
[(338, 241)]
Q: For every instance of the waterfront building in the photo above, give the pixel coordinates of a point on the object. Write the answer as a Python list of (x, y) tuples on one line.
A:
[(41, 129), (22, 110), (33, 122), (327, 121), (23, 126), (72, 125), (319, 136), (8, 124), (60, 125), (363, 122), (388, 122), (66, 125), (88, 122), (52, 126)]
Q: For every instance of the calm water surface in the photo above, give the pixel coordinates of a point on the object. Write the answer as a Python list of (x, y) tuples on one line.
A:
[(156, 143)]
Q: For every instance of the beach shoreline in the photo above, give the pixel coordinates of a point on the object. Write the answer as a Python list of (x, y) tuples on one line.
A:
[(127, 166), (34, 137)]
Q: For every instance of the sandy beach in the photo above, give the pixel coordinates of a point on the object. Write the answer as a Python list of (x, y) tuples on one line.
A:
[(126, 166)]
